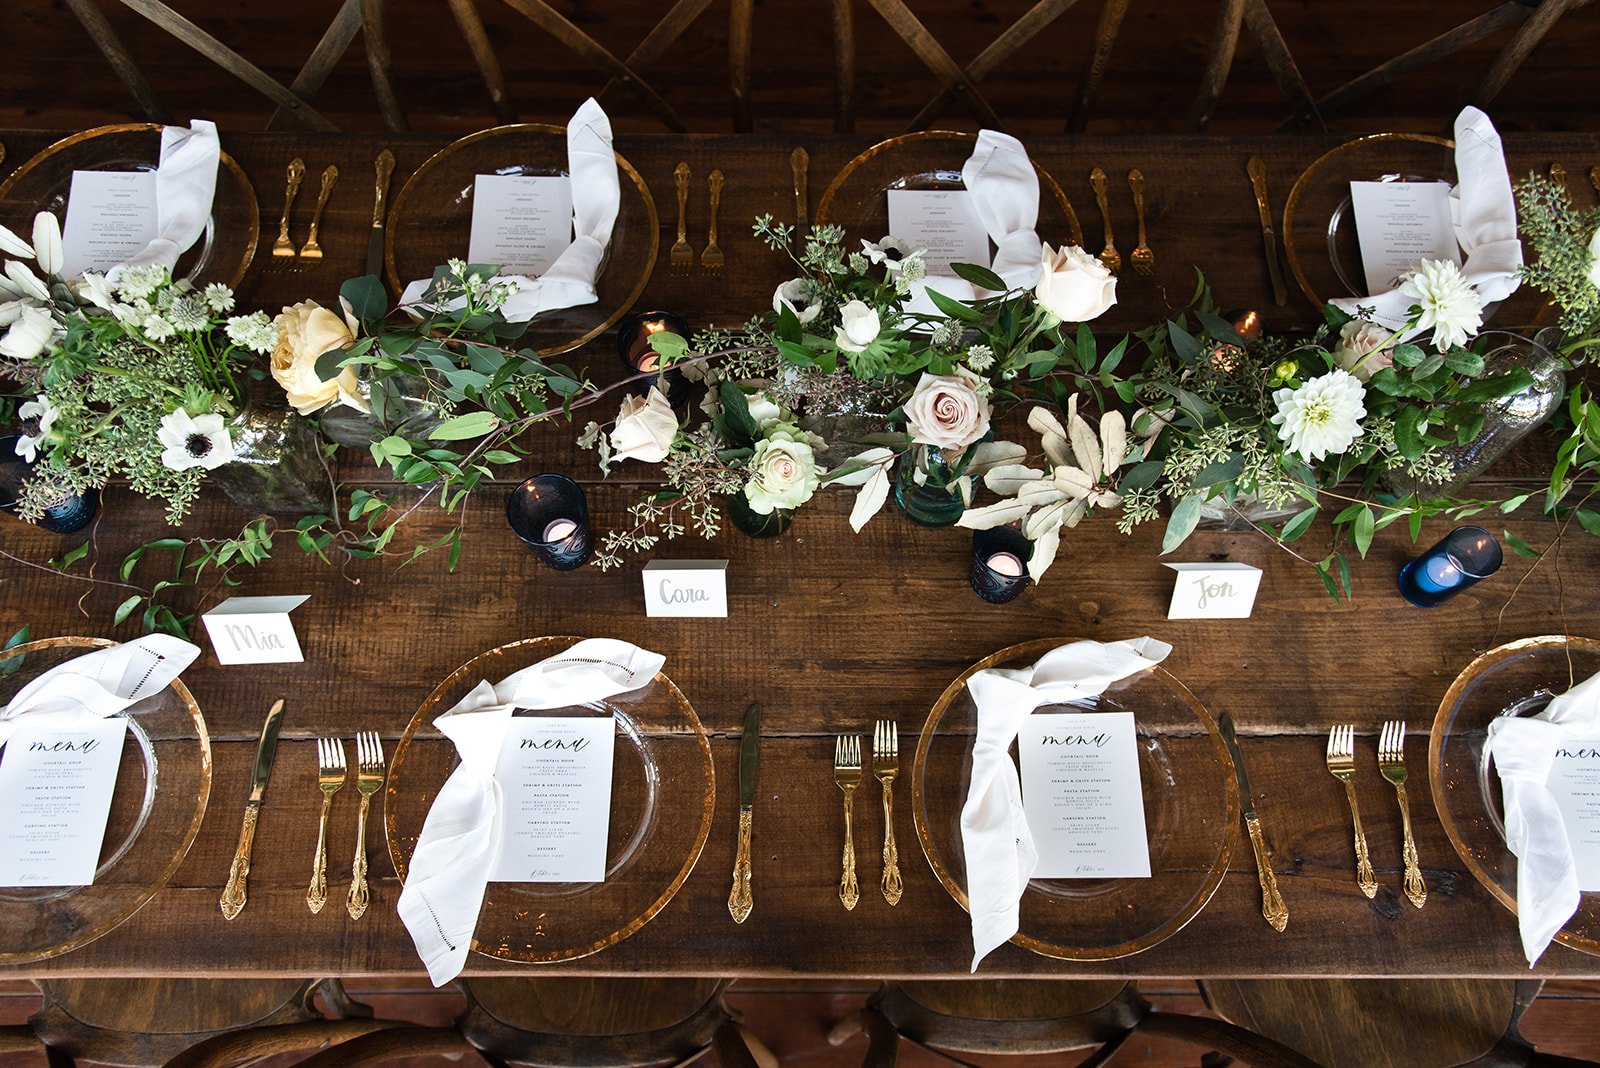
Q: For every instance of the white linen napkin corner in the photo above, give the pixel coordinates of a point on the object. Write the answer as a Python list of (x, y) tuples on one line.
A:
[(100, 683), (186, 185)]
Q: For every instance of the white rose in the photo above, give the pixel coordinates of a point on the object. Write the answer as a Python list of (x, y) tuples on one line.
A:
[(1360, 349), (1594, 258), (645, 428), (946, 411), (1074, 286), (799, 296), (763, 412), (858, 326), (306, 331), (783, 472)]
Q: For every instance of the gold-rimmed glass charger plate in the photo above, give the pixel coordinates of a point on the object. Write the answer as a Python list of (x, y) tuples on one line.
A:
[(163, 783), (662, 791), (1319, 231), (224, 249), (1191, 807), (858, 200), (1517, 679), (431, 222)]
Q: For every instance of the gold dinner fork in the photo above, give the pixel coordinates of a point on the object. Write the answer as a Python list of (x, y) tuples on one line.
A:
[(885, 765), (711, 258), (1108, 255), (330, 777), (1342, 765), (682, 254), (1391, 761), (312, 250), (369, 777), (283, 248), (847, 773), (1144, 260)]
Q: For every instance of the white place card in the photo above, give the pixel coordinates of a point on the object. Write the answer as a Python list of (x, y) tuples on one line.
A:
[(111, 215), (520, 222), (696, 588), (1082, 796), (944, 223), (255, 630), (1214, 591), (1575, 783), (555, 779), (1400, 224), (56, 783)]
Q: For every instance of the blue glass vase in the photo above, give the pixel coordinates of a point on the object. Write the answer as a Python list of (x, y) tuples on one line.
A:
[(925, 488)]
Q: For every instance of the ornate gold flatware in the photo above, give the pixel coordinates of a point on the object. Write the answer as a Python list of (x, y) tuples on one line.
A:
[(330, 777), (283, 247), (312, 250), (1269, 235), (1142, 258), (369, 778), (740, 900), (1108, 255), (1391, 761), (1342, 766), (1273, 909), (886, 765), (711, 258), (681, 254), (234, 893), (847, 774), (383, 169)]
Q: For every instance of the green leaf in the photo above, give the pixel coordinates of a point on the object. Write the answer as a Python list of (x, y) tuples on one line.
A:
[(461, 427), (741, 429), (982, 277), (1588, 520), (1518, 546), (1362, 532), (1428, 366), (1219, 328), (1511, 504), (1464, 362), (1298, 525), (796, 354), (70, 557), (330, 363), (1185, 517), (1225, 470), (1487, 389), (1141, 476), (1185, 344), (12, 664), (125, 609), (1408, 355), (1408, 433), (670, 346), (369, 301), (953, 307), (395, 446)]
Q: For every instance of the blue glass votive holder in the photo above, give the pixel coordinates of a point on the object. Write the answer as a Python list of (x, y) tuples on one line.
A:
[(550, 515), (633, 345), (64, 516), (1465, 556), (1000, 564)]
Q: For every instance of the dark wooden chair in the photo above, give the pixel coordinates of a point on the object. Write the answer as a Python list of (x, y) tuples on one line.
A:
[(989, 1016), (605, 1023), (1389, 1023)]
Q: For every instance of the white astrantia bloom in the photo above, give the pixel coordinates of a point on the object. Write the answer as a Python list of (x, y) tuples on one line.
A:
[(138, 283), (41, 409), (157, 328), (1322, 417), (194, 441), (799, 295), (218, 297), (1446, 303), (255, 332), (187, 315), (890, 251), (29, 334)]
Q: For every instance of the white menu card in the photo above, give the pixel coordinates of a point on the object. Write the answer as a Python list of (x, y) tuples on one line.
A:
[(941, 221), (555, 781), (520, 222), (1082, 796), (1400, 224), (111, 216), (56, 782), (1575, 783)]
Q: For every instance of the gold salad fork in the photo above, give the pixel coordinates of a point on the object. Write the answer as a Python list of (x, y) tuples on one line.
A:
[(1108, 255), (847, 773), (1144, 260), (283, 248), (682, 254), (369, 777), (885, 765), (711, 258), (1391, 761), (1342, 765), (312, 250), (330, 777)]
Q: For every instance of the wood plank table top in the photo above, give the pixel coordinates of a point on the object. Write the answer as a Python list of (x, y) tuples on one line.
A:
[(831, 631)]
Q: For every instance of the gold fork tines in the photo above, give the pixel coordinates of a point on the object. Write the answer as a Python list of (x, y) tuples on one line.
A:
[(312, 250), (1144, 260), (1108, 255), (885, 765), (847, 773), (682, 255), (283, 248), (1342, 765), (1392, 762), (711, 258), (369, 777), (330, 777)]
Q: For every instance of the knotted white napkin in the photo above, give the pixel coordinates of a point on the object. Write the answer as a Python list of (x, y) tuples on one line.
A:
[(186, 184), (461, 836), (1524, 750), (1485, 217), (596, 197), (995, 837), (98, 684)]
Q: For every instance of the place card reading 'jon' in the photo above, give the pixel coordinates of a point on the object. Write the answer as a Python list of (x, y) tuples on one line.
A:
[(697, 588), (1214, 591)]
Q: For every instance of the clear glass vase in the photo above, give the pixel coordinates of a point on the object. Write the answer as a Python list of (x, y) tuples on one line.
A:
[(753, 523), (395, 405), (925, 488), (277, 465), (1245, 512)]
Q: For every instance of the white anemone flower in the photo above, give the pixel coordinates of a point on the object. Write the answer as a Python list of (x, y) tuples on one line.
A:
[(194, 441), (799, 295), (94, 288), (41, 409), (1448, 304), (891, 251), (29, 334), (1322, 417)]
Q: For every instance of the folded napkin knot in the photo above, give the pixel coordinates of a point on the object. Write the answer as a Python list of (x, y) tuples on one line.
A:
[(99, 684), (186, 185)]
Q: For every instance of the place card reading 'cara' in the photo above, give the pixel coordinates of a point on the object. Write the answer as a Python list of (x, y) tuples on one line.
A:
[(1214, 591), (255, 630), (686, 588)]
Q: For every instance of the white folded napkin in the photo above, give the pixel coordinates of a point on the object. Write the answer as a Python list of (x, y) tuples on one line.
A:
[(98, 684), (461, 837), (596, 197), (1524, 748), (186, 184), (1485, 216), (995, 837)]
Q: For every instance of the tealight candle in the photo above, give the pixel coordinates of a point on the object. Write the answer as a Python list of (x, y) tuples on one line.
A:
[(1248, 325), (999, 571), (1465, 556), (559, 530), (1008, 564), (633, 346), (550, 515)]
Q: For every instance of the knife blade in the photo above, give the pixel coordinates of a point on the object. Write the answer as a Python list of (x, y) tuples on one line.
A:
[(233, 894), (1273, 910), (799, 161), (739, 899), (384, 167), (1269, 236)]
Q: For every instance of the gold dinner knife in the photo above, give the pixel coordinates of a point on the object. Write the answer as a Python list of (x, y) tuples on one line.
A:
[(739, 899), (233, 895), (1269, 236), (384, 167), (799, 161), (1272, 906)]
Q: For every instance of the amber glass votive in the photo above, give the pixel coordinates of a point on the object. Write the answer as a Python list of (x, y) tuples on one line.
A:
[(550, 515), (1465, 557)]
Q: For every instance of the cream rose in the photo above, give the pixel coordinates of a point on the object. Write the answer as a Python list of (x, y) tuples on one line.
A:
[(1360, 350), (305, 332), (645, 428), (1074, 286), (783, 472), (946, 411), (858, 326)]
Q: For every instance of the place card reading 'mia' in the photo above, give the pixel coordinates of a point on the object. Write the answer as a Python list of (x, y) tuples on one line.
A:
[(943, 223), (56, 783), (1082, 796), (555, 782), (111, 216), (520, 222), (1575, 783), (1400, 224)]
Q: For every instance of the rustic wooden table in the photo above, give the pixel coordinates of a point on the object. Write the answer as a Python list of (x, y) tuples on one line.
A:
[(830, 631)]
